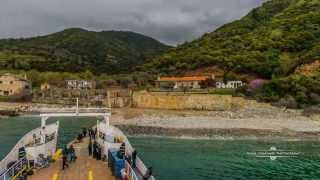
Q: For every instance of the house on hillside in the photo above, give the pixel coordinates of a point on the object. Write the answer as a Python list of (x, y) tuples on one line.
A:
[(45, 86), (14, 86), (190, 82), (80, 84), (229, 84)]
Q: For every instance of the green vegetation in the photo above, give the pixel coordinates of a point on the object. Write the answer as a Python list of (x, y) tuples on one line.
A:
[(270, 42), (140, 79), (293, 91), (77, 50), (222, 91)]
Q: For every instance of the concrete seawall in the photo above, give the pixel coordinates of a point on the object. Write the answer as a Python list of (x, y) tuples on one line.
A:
[(181, 101)]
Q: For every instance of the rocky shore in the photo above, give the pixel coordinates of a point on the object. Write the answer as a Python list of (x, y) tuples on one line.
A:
[(250, 122), (230, 134), (245, 123)]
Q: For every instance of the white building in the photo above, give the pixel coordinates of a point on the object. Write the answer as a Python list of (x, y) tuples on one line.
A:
[(192, 82), (80, 84), (229, 85)]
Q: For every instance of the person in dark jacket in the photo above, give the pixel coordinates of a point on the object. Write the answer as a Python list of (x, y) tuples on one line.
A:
[(72, 153), (90, 147), (95, 146), (122, 151), (89, 132), (95, 132), (99, 153), (65, 151), (64, 161), (134, 157), (84, 132)]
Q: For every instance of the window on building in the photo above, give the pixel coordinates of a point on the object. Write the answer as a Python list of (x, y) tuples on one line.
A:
[(11, 82), (6, 93), (27, 87), (0, 82)]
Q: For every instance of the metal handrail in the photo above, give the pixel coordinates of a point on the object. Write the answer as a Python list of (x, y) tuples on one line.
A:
[(72, 110), (15, 169), (129, 149), (13, 154), (131, 172), (15, 149)]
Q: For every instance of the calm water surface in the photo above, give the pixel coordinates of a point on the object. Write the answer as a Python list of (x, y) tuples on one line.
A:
[(179, 159), (182, 159), (12, 129)]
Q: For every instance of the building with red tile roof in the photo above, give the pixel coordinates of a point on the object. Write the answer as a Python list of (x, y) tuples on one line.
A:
[(192, 82)]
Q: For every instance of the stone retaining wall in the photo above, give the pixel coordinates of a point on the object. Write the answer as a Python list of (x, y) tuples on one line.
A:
[(180, 101)]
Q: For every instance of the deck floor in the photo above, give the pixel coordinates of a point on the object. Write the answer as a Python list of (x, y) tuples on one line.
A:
[(85, 168)]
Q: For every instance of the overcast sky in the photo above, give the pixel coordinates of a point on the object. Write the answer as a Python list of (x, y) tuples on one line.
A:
[(170, 21)]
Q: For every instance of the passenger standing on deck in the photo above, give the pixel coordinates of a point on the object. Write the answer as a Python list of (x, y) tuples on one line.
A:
[(93, 135), (90, 147), (134, 157), (65, 151), (84, 132), (95, 146), (122, 150), (90, 133), (99, 152), (72, 153), (64, 161)]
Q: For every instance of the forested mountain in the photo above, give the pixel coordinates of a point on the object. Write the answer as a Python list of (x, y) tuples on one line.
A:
[(272, 40), (78, 50)]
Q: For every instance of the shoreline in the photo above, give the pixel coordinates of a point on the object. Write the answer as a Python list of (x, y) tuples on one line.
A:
[(218, 134), (241, 124), (244, 123)]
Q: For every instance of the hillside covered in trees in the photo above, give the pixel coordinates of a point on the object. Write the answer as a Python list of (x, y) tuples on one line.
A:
[(79, 50), (271, 42)]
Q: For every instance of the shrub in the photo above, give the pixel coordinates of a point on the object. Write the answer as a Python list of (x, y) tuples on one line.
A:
[(315, 98), (311, 111), (222, 91), (288, 102)]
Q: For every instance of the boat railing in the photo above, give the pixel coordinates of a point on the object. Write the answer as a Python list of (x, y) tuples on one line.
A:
[(69, 110), (140, 166), (130, 172), (27, 139), (15, 169), (13, 154)]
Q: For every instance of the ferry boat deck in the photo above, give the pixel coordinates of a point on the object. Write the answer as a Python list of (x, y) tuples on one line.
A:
[(44, 139), (84, 168)]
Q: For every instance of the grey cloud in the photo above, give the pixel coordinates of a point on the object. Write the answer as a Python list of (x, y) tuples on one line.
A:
[(170, 21)]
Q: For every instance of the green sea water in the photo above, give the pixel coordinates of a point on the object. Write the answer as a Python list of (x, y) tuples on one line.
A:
[(182, 159), (192, 159), (12, 129)]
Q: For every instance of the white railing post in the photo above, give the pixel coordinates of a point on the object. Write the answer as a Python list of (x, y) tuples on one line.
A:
[(77, 110), (43, 121), (106, 119)]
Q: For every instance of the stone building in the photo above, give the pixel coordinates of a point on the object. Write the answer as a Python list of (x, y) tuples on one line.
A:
[(80, 84), (57, 95), (45, 86), (14, 86), (229, 84), (118, 97), (190, 82)]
